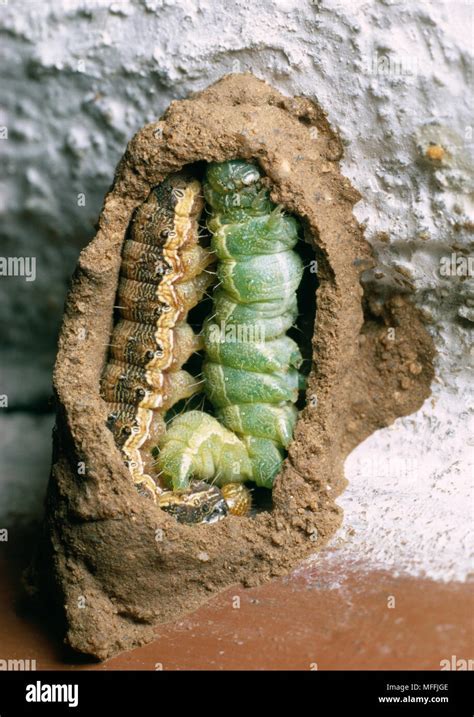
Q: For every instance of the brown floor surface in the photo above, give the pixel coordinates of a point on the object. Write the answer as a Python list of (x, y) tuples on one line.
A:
[(329, 616)]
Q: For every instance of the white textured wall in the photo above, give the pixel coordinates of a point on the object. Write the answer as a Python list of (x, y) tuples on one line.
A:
[(80, 77)]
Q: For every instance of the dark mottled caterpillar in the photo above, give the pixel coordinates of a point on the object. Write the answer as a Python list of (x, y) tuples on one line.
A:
[(251, 366), (162, 277)]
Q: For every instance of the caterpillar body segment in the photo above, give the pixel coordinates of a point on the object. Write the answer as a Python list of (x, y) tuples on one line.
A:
[(261, 420), (196, 445)]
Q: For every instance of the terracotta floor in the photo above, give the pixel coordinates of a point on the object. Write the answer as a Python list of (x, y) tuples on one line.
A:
[(328, 616)]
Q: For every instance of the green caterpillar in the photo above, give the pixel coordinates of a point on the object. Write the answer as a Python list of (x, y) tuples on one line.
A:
[(250, 368)]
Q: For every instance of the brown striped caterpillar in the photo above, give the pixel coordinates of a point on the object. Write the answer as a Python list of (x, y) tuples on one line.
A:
[(162, 276)]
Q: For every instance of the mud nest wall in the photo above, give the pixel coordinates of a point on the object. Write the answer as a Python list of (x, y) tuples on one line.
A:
[(119, 564)]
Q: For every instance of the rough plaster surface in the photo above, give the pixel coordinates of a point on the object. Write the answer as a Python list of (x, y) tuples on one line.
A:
[(81, 77)]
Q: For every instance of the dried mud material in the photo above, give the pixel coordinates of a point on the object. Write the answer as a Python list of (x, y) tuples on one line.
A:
[(113, 562)]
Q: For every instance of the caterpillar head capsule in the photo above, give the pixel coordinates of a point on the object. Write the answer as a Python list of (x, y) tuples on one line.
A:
[(200, 503)]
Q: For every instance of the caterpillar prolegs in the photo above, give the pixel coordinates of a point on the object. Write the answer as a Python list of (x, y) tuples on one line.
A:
[(250, 368)]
